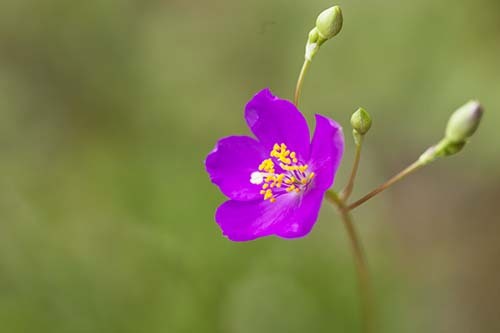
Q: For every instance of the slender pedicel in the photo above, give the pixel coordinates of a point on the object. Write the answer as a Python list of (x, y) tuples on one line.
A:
[(300, 81), (410, 169), (361, 122)]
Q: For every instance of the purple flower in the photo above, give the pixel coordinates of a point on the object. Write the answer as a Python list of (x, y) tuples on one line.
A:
[(276, 182)]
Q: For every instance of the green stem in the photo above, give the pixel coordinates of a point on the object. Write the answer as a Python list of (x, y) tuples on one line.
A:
[(360, 261), (300, 81), (346, 192), (410, 169)]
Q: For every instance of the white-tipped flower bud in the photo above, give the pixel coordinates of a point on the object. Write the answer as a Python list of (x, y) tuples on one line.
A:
[(464, 122)]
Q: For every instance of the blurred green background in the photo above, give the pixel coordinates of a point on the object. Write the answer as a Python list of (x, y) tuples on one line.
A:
[(108, 109)]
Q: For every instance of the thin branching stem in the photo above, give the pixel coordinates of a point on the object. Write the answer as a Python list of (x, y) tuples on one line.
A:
[(366, 294)]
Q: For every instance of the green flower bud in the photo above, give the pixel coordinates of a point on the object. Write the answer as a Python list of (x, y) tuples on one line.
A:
[(464, 122), (361, 121), (329, 22)]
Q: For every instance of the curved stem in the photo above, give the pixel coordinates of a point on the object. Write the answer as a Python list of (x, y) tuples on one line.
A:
[(300, 81), (410, 169), (360, 261), (346, 192)]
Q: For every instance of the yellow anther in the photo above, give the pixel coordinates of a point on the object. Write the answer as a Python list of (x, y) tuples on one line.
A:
[(279, 180), (262, 192), (272, 200), (303, 181), (268, 194), (297, 190), (265, 186), (311, 175), (290, 188), (267, 165)]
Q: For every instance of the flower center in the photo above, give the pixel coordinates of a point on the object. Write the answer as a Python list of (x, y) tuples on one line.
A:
[(292, 176)]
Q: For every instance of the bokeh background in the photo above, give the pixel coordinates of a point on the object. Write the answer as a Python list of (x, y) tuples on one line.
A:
[(108, 109)]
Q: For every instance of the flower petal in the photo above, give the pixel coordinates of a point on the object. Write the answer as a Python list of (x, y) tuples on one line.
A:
[(275, 120), (232, 162), (291, 216), (327, 148)]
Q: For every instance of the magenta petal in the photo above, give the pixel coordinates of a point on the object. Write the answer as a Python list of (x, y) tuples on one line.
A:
[(232, 162), (327, 148), (275, 120), (291, 216)]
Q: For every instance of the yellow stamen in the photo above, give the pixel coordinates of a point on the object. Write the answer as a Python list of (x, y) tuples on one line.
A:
[(268, 194), (293, 178)]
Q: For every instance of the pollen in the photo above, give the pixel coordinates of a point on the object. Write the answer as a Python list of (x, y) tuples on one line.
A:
[(281, 153), (282, 173), (267, 165), (268, 194)]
